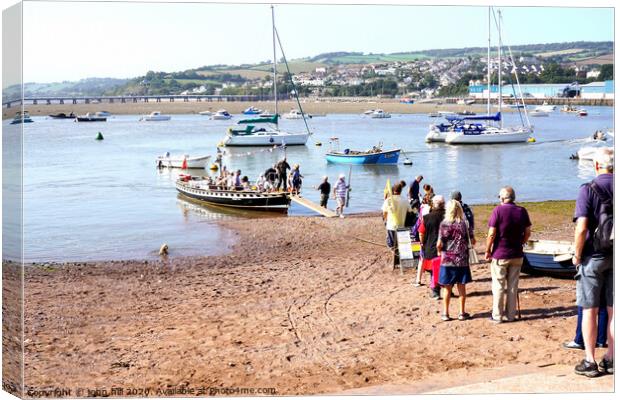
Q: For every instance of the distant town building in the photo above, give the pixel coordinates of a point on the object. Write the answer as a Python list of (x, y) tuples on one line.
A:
[(594, 90)]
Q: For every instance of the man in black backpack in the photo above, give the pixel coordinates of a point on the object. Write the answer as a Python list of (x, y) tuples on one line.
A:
[(594, 259)]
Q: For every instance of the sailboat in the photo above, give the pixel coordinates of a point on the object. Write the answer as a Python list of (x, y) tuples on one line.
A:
[(471, 129), (264, 131)]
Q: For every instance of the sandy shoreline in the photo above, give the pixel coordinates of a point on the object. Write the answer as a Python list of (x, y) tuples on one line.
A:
[(300, 305), (237, 107)]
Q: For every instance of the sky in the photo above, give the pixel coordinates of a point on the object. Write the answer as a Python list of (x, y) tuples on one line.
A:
[(75, 40)]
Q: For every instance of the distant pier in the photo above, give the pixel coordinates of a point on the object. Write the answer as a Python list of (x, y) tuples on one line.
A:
[(136, 99)]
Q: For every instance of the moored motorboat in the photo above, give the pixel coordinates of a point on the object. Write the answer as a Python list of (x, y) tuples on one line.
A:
[(582, 112), (206, 113), (21, 118), (252, 111), (62, 116), (380, 114), (549, 256), (198, 189), (185, 161), (221, 115), (155, 116), (295, 114), (538, 113), (103, 113), (89, 117)]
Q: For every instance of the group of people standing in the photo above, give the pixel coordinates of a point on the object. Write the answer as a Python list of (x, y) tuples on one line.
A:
[(339, 193), (446, 235), (445, 231)]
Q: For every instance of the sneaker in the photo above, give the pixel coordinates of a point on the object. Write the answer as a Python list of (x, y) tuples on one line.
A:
[(572, 345), (435, 295), (606, 366), (495, 321), (601, 346), (464, 316), (586, 368), (417, 284)]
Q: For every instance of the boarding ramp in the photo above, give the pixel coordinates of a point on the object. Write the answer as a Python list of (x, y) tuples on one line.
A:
[(302, 201)]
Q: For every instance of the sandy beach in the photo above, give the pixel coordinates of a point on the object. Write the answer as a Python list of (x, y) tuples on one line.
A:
[(237, 107), (300, 305)]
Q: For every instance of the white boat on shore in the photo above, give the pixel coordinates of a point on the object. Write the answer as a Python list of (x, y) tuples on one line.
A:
[(168, 161), (380, 114), (155, 116), (221, 115)]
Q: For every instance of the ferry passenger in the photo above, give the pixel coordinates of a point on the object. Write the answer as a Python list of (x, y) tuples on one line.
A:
[(260, 183), (340, 194), (325, 187), (245, 183), (282, 167), (296, 179), (429, 234), (395, 210), (270, 174), (414, 192)]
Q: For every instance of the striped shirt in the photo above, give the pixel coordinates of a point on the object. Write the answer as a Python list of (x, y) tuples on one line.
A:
[(341, 188)]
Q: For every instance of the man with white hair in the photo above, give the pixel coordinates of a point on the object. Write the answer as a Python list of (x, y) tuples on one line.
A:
[(340, 194), (594, 260), (509, 230)]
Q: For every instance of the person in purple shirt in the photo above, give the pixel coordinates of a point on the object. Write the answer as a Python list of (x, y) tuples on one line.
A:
[(594, 263), (509, 230)]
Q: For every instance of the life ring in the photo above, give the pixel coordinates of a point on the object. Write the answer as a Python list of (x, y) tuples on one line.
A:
[(271, 139)]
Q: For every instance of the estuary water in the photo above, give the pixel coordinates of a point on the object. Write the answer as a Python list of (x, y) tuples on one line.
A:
[(95, 200)]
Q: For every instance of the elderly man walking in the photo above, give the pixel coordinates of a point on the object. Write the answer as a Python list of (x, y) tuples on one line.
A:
[(509, 230), (594, 260)]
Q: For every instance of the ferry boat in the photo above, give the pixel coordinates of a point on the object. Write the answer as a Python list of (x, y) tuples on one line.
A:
[(270, 134), (89, 117), (21, 118), (197, 189), (155, 116), (185, 161)]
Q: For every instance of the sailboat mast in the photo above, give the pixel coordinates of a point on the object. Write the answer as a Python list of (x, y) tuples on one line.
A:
[(489, 67), (275, 71), (499, 60)]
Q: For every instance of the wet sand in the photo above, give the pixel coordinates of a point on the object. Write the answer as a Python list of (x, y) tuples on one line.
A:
[(301, 305)]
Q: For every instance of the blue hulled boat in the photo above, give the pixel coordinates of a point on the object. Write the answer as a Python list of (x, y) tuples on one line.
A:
[(375, 156), (21, 118), (550, 257)]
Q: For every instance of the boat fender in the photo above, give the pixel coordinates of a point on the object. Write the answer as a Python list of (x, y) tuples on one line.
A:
[(213, 167), (271, 139), (531, 140)]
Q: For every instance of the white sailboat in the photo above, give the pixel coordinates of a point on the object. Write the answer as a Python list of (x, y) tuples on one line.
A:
[(264, 131), (467, 130)]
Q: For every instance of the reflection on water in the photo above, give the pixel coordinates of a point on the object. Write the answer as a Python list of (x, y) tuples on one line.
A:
[(88, 199), (211, 212)]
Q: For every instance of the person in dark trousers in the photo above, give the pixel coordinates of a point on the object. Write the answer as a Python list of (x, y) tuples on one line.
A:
[(593, 259), (414, 192), (325, 188), (282, 167), (601, 335)]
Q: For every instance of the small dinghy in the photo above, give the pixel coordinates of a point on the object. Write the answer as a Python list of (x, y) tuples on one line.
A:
[(549, 256), (184, 162), (376, 155)]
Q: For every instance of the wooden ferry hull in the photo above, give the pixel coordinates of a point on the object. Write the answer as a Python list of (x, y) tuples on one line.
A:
[(248, 200)]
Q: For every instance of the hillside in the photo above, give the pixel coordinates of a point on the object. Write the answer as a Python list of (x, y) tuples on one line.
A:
[(557, 52), (256, 77)]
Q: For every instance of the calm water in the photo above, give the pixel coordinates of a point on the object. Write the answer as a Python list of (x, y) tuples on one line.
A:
[(86, 199)]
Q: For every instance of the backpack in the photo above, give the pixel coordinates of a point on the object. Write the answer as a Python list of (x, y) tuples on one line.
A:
[(603, 237)]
